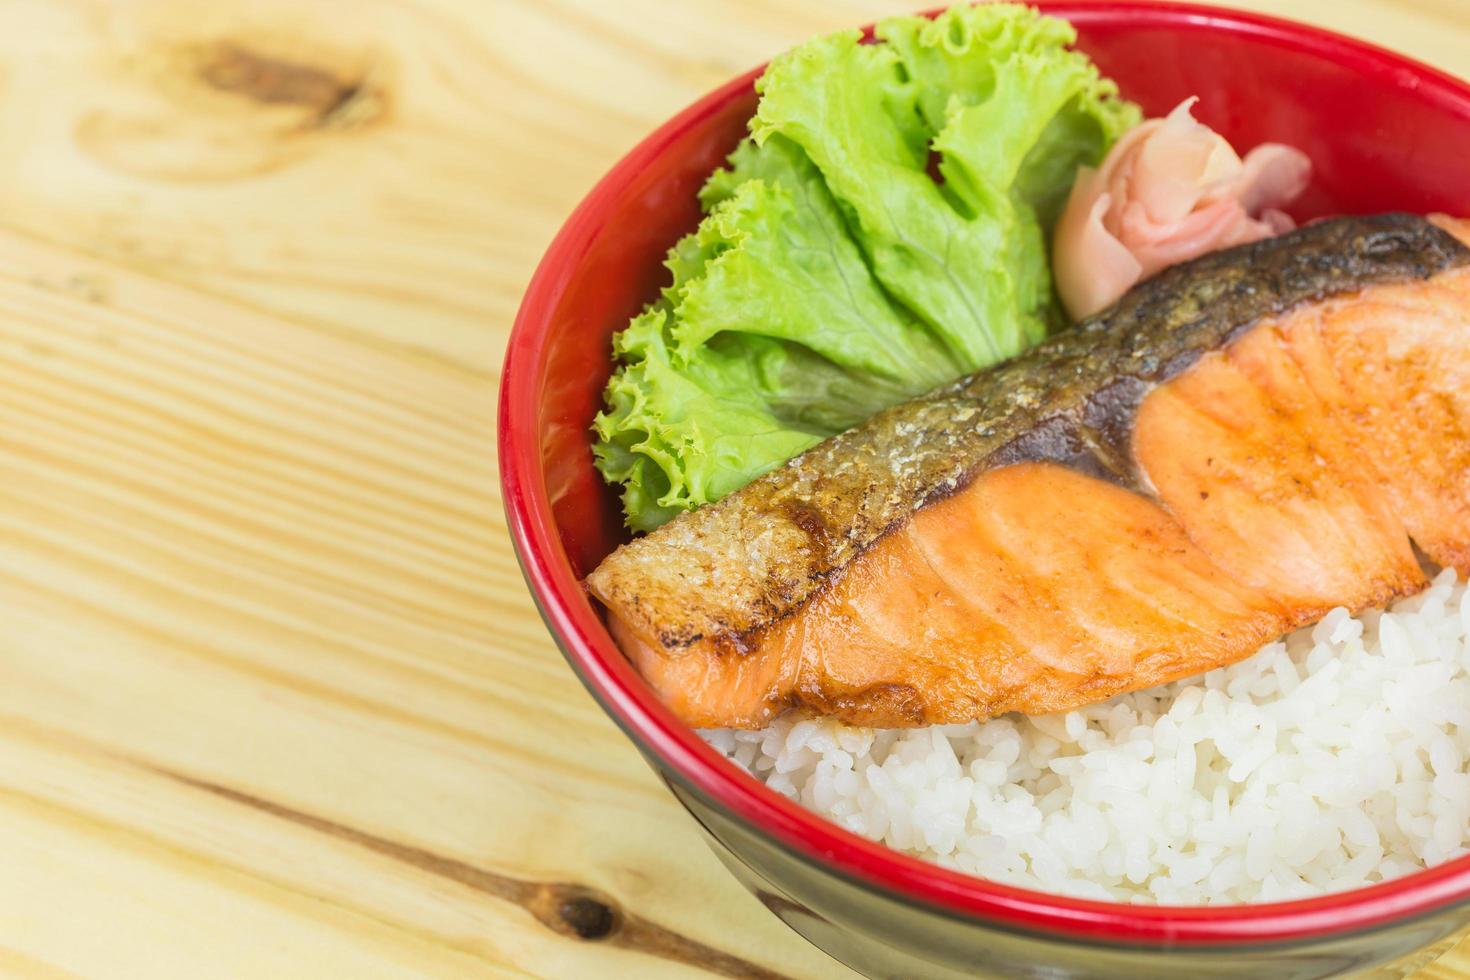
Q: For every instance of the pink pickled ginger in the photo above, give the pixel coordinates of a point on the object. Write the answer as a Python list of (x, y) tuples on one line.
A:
[(1169, 190)]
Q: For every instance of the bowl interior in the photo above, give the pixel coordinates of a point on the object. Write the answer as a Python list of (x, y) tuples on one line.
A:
[(1378, 139), (1383, 134)]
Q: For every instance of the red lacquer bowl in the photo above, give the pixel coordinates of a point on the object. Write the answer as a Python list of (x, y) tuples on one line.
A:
[(1384, 133)]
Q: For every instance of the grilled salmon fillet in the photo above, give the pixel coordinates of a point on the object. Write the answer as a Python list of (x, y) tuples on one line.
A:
[(1242, 443)]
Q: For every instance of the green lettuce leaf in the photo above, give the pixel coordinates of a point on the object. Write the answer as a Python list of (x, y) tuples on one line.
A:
[(772, 336), (986, 83), (676, 433), (833, 275)]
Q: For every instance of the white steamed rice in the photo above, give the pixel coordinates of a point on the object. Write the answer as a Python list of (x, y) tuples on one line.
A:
[(1335, 758)]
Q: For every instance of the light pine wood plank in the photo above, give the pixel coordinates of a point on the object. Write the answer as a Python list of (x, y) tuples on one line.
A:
[(273, 701), (277, 609)]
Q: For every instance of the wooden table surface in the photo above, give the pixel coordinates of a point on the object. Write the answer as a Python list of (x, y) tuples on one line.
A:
[(273, 700)]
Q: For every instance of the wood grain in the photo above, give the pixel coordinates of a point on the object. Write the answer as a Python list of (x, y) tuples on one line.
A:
[(273, 701)]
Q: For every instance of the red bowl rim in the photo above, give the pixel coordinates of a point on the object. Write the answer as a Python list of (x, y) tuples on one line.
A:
[(679, 752)]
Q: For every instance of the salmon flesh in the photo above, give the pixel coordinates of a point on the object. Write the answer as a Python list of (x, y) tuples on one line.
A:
[(1239, 445)]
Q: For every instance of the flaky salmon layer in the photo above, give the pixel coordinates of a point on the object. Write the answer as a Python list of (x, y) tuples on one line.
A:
[(1291, 468)]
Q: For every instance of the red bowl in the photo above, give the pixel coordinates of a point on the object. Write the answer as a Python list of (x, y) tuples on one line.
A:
[(1383, 132)]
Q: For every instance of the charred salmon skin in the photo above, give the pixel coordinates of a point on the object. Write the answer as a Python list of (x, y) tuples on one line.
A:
[(1237, 446)]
